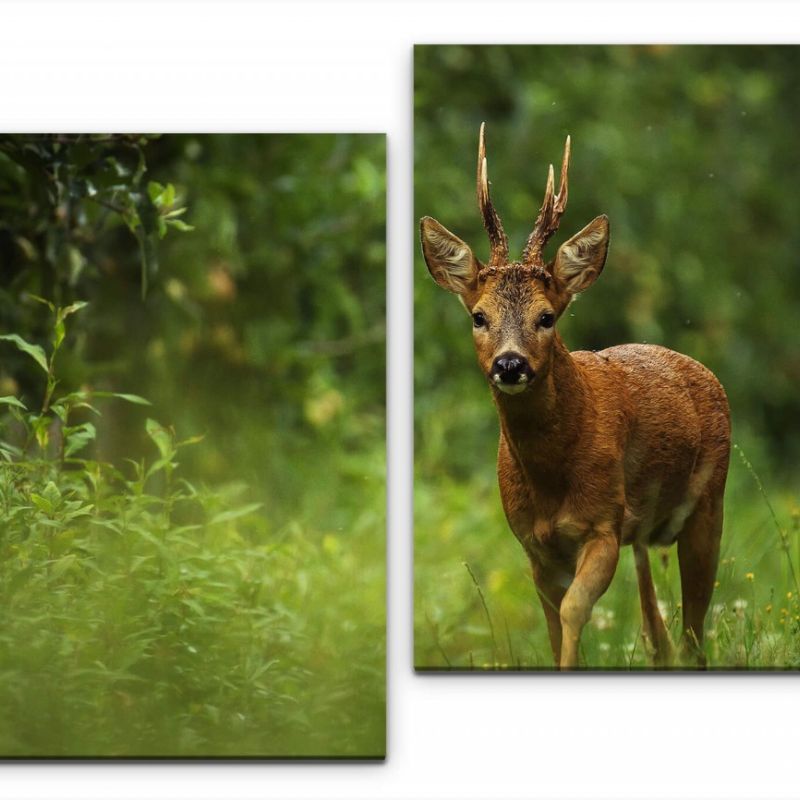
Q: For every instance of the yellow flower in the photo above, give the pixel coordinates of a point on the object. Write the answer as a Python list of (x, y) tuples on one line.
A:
[(750, 576), (768, 608), (716, 584), (788, 595)]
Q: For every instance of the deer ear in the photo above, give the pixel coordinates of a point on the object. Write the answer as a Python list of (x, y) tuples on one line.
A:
[(581, 259), (450, 261)]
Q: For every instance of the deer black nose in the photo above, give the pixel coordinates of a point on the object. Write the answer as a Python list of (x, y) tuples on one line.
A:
[(511, 367)]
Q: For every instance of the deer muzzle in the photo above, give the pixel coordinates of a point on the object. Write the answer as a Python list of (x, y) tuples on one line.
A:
[(511, 373)]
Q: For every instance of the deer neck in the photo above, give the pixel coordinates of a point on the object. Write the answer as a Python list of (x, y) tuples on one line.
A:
[(542, 425)]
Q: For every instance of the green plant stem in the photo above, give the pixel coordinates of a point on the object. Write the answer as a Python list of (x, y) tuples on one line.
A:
[(51, 385), (784, 537), (486, 610)]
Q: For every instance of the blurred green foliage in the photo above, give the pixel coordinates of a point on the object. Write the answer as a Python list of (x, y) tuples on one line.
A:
[(689, 150), (225, 598), (59, 193)]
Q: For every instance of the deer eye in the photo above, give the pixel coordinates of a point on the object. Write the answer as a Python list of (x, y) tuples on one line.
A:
[(478, 320), (546, 320)]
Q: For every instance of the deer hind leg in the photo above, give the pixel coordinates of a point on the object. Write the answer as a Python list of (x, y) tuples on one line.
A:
[(698, 554), (655, 630), (596, 565)]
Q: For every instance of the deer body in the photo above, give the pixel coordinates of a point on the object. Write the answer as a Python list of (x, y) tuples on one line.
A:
[(629, 445)]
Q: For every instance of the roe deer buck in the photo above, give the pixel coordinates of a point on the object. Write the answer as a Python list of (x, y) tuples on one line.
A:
[(628, 445)]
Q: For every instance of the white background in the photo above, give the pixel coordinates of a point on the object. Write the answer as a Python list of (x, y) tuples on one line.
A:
[(336, 66)]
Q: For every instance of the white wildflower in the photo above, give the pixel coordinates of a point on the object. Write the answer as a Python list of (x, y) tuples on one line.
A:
[(602, 618)]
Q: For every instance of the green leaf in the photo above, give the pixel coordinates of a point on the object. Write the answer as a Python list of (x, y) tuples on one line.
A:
[(155, 190), (52, 493), (33, 350), (65, 404), (42, 503), (83, 511), (234, 513), (180, 225), (191, 440), (12, 401), (160, 464), (78, 437), (59, 332), (63, 313), (41, 429), (161, 437), (168, 196), (9, 452), (131, 398), (43, 301)]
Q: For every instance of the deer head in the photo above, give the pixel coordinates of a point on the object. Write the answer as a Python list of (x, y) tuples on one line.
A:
[(516, 304)]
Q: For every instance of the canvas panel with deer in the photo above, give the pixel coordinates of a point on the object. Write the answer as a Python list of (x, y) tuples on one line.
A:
[(599, 448)]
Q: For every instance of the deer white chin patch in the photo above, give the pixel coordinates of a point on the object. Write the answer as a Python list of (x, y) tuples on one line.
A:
[(510, 388)]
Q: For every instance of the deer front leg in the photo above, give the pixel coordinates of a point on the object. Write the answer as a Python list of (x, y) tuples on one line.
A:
[(551, 593), (597, 561)]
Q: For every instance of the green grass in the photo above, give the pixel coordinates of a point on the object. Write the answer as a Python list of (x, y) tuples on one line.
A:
[(475, 605), (226, 630)]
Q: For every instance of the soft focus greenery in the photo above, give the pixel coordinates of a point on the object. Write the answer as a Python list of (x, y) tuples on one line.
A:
[(203, 574), (690, 151)]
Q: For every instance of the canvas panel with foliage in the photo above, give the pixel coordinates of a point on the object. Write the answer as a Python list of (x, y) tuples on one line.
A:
[(688, 150), (192, 461)]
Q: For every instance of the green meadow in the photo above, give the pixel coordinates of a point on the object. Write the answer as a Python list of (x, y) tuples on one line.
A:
[(476, 606)]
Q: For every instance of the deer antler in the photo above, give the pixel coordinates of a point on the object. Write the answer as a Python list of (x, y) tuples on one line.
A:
[(550, 213), (491, 220)]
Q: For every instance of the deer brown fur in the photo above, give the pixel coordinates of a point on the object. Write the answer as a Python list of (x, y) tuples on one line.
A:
[(629, 445)]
